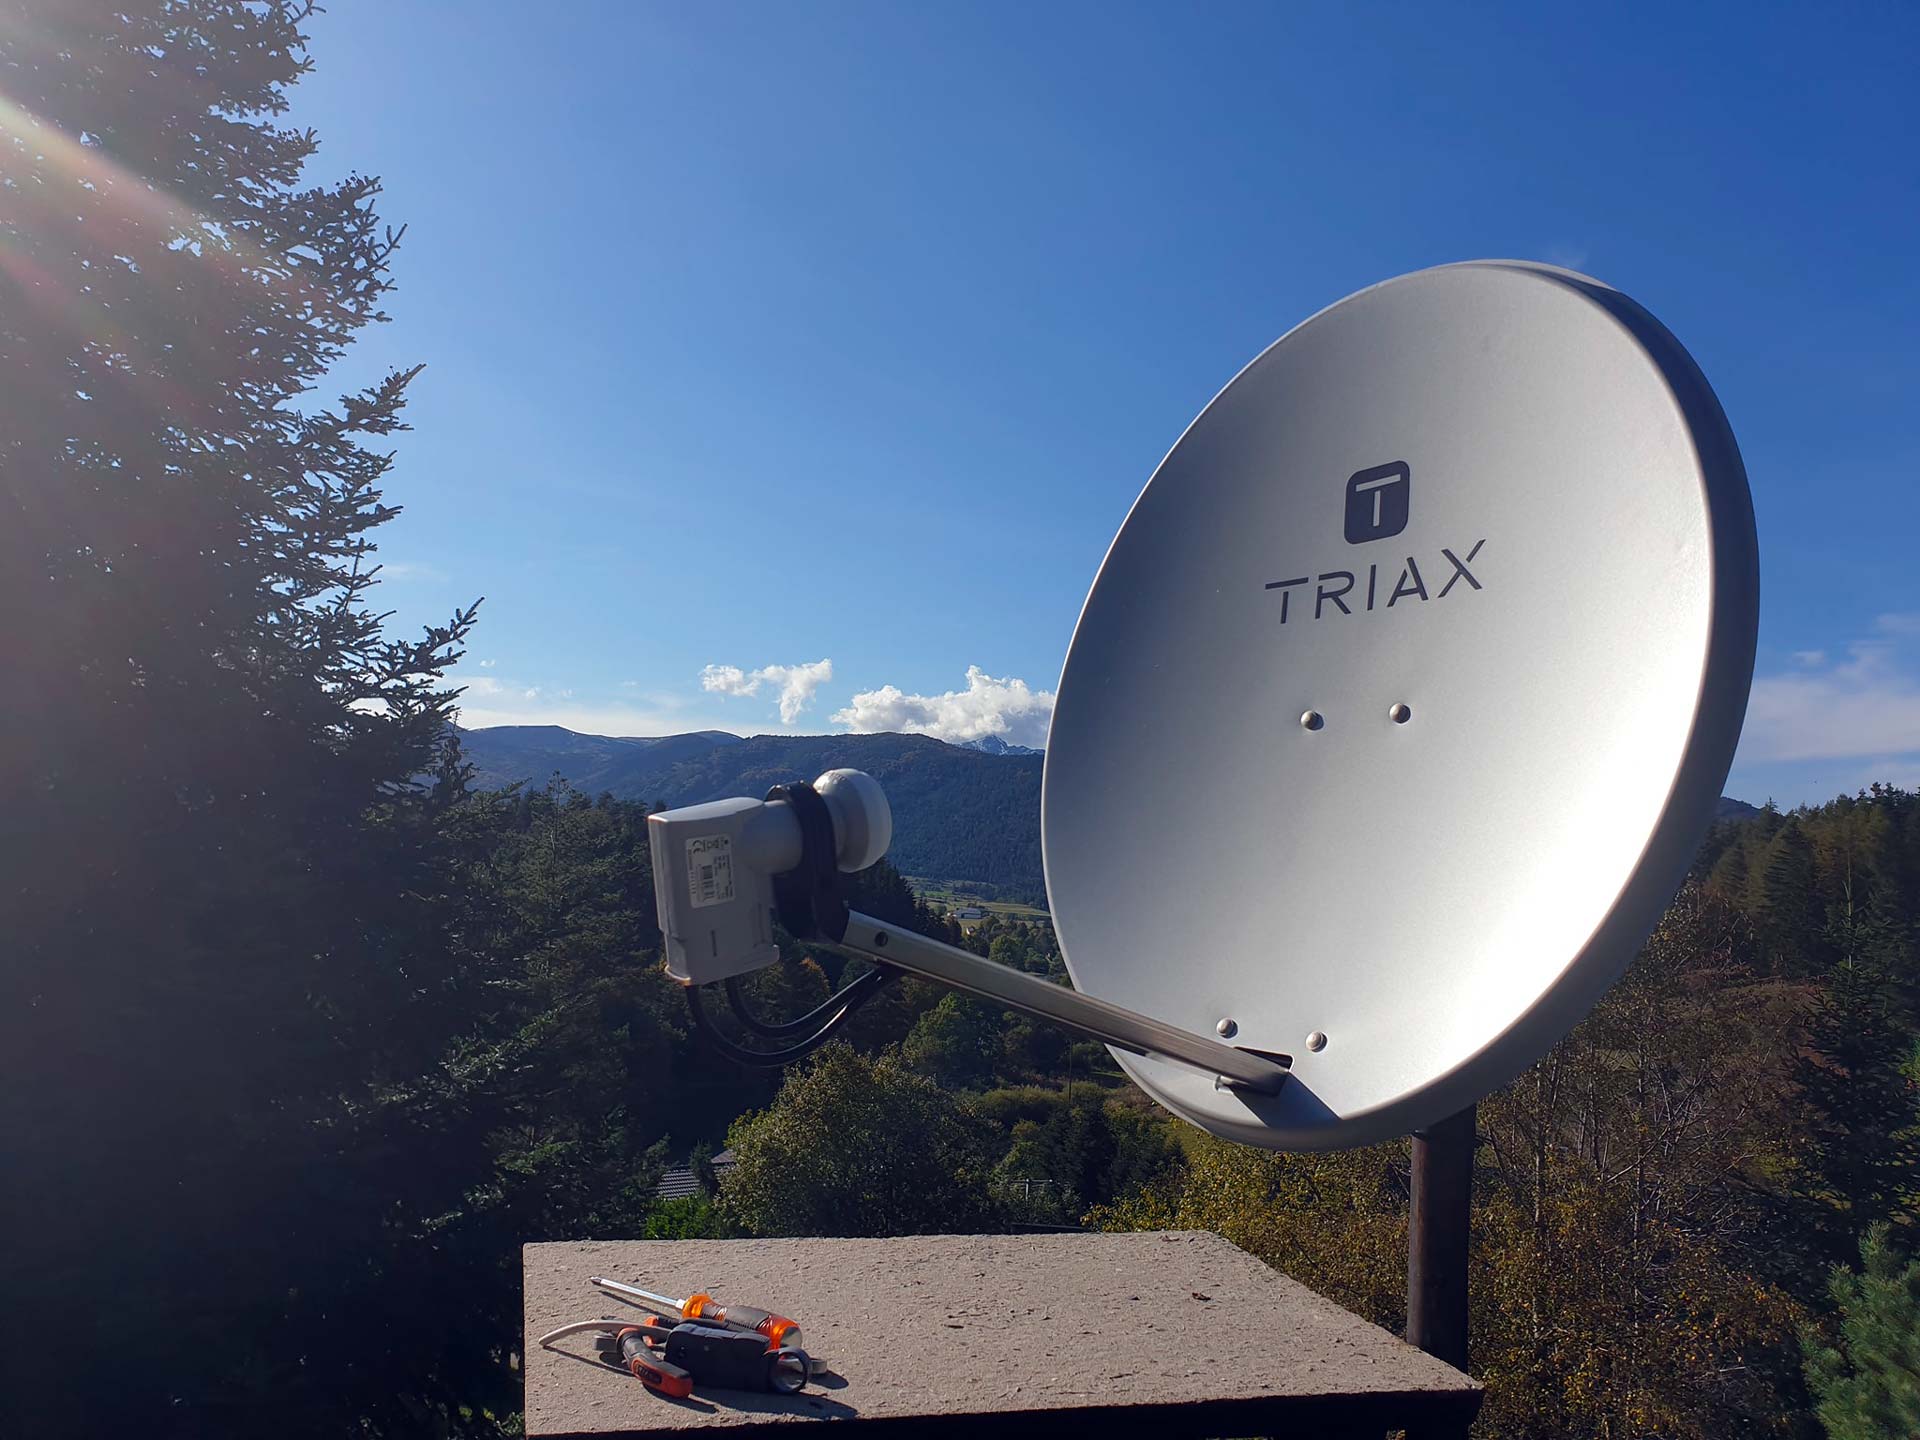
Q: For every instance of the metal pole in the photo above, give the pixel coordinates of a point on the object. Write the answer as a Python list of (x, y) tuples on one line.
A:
[(1088, 1014), (1438, 1226)]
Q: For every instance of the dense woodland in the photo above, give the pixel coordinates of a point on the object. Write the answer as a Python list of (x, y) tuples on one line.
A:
[(304, 1032)]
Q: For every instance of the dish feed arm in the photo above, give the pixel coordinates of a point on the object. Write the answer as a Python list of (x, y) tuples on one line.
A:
[(1017, 990), (726, 871)]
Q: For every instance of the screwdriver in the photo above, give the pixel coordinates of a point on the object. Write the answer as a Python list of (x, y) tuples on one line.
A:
[(781, 1332)]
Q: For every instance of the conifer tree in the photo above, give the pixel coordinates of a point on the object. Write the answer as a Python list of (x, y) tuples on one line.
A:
[(1861, 1163), (1866, 1378), (228, 983), (1789, 909)]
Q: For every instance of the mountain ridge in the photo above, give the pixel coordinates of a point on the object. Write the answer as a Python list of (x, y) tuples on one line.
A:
[(994, 745), (958, 814), (961, 812)]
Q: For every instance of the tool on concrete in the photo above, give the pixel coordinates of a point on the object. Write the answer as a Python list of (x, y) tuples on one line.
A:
[(732, 1359), (673, 1357), (629, 1342), (778, 1330)]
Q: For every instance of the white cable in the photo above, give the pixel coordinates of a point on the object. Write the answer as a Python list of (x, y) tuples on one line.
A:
[(610, 1326)]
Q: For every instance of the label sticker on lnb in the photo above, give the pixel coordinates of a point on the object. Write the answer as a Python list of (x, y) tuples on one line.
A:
[(710, 869)]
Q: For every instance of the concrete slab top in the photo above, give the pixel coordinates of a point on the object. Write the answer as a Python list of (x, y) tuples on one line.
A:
[(1176, 1332)]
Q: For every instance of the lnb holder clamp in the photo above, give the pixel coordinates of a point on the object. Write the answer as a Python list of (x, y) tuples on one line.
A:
[(807, 898)]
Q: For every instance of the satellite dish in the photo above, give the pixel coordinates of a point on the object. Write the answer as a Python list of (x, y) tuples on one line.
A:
[(1403, 698), (1391, 724)]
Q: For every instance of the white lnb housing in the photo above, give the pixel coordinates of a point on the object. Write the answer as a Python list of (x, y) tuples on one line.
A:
[(713, 869), (862, 819)]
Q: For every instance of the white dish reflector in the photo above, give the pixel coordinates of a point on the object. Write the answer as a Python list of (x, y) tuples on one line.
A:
[(1403, 698)]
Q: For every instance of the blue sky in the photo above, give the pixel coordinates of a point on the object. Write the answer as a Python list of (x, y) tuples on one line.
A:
[(793, 362)]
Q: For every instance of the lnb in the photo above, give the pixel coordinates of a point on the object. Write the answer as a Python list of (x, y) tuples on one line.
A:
[(715, 867)]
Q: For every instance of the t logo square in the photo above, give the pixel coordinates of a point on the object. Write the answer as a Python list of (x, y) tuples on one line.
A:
[(1377, 502)]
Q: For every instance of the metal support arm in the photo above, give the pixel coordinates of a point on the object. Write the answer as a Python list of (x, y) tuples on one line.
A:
[(1017, 990)]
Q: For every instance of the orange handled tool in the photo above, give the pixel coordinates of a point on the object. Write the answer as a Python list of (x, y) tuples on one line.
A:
[(781, 1332), (651, 1369)]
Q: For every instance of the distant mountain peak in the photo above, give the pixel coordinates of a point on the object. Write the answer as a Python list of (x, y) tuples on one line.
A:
[(994, 745)]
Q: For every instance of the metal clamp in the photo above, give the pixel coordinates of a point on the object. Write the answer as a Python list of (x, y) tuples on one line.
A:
[(807, 898)]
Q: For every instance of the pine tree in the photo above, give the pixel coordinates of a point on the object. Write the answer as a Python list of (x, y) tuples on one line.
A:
[(1894, 873), (228, 984), (1866, 1378), (1856, 1077), (589, 1030), (1729, 877), (1789, 909)]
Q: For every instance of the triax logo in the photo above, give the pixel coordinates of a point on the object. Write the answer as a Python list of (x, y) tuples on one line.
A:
[(1377, 507), (1377, 501)]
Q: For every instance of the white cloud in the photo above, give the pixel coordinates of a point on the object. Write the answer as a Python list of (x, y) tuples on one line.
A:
[(796, 684), (1008, 708), (488, 664), (729, 680), (1865, 706)]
